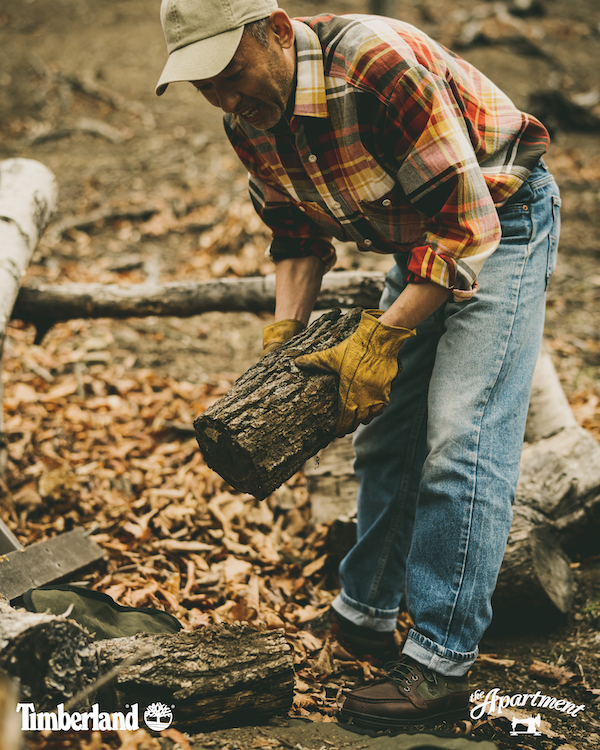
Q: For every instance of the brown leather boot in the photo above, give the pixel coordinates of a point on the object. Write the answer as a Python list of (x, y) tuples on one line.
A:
[(362, 641), (410, 694)]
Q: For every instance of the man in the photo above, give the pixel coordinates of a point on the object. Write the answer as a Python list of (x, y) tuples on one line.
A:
[(365, 129)]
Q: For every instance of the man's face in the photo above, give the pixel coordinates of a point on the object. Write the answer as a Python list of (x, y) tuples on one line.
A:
[(257, 83)]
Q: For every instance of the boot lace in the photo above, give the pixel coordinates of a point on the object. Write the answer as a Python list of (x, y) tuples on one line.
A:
[(405, 673)]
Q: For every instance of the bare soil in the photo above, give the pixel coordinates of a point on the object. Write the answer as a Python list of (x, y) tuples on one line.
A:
[(171, 152)]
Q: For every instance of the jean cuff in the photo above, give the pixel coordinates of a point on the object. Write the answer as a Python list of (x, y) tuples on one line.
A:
[(440, 659), (381, 620)]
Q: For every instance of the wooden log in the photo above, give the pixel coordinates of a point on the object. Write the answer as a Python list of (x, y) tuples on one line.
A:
[(215, 677), (559, 474), (557, 511), (535, 580), (51, 657), (56, 302), (27, 200), (549, 410), (276, 416)]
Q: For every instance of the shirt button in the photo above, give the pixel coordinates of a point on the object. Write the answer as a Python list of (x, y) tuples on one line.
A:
[(336, 205), (312, 158), (387, 202), (367, 243)]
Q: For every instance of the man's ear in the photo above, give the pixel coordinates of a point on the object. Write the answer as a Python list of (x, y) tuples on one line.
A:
[(282, 28)]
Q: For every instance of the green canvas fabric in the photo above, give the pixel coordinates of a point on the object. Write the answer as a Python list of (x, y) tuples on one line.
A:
[(100, 615)]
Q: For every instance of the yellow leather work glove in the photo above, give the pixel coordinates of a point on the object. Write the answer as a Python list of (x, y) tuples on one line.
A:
[(366, 362), (278, 333)]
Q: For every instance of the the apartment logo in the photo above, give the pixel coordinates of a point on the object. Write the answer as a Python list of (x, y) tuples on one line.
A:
[(491, 702), (532, 725)]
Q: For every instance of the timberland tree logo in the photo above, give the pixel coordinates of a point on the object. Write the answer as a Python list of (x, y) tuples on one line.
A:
[(158, 716), (491, 702)]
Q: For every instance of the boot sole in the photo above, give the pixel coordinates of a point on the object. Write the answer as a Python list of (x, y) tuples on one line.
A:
[(368, 721)]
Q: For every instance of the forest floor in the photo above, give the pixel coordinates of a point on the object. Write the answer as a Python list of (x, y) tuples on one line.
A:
[(94, 413)]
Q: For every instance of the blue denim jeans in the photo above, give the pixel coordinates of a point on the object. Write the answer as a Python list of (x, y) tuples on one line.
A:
[(438, 469)]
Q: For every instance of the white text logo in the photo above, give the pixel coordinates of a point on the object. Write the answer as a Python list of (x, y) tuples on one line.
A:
[(493, 703), (63, 721)]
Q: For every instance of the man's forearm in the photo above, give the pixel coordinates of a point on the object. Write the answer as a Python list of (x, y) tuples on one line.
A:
[(298, 282), (416, 303)]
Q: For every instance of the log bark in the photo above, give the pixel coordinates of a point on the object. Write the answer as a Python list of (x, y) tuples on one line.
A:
[(556, 514), (52, 657), (276, 416), (51, 303), (535, 579), (27, 200), (215, 676)]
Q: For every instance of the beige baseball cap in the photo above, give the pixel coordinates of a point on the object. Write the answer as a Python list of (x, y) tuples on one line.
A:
[(203, 35)]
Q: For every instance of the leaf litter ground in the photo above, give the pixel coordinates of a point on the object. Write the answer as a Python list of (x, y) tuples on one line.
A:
[(98, 416)]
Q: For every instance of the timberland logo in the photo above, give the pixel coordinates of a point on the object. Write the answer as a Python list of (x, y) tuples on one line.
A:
[(78, 721), (158, 716), (491, 702)]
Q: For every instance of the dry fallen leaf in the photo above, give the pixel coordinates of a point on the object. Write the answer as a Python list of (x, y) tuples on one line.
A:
[(554, 674), (491, 660)]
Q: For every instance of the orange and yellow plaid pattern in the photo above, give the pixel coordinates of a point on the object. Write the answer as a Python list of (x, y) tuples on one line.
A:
[(392, 142)]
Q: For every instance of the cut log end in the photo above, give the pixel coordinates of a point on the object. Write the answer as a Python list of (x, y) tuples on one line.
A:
[(275, 416)]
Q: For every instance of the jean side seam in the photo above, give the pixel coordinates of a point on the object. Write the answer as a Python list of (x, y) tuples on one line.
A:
[(484, 407)]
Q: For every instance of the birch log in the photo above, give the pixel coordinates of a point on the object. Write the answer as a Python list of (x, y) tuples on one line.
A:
[(27, 199)]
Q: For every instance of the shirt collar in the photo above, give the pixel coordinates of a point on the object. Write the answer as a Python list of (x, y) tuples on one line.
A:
[(311, 100)]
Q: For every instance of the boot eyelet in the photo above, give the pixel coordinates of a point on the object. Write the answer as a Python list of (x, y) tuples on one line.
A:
[(415, 677), (407, 688)]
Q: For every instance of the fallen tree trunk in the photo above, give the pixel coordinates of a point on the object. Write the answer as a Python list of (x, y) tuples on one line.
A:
[(213, 676), (50, 303), (216, 676), (535, 579), (276, 416), (27, 200)]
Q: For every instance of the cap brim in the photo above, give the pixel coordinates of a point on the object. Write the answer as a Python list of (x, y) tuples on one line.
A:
[(200, 60)]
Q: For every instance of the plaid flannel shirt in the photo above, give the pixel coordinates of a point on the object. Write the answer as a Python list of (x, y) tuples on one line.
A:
[(394, 143)]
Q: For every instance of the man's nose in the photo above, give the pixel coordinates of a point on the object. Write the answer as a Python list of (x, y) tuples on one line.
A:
[(228, 100)]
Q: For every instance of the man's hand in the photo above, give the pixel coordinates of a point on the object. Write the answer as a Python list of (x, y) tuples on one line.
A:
[(278, 333), (366, 362)]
